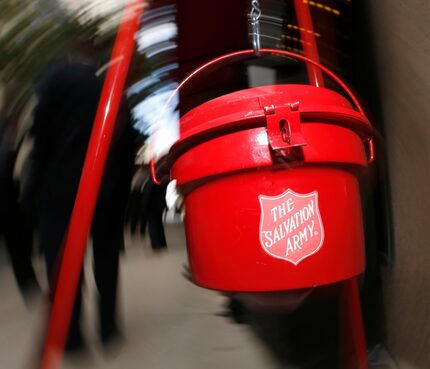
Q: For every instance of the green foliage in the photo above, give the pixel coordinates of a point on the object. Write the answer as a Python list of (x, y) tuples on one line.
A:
[(33, 35)]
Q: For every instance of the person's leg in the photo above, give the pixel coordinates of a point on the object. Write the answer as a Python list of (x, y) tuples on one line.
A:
[(107, 241), (18, 236), (53, 224), (157, 205)]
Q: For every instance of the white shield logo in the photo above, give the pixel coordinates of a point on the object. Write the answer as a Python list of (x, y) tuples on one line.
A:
[(290, 225)]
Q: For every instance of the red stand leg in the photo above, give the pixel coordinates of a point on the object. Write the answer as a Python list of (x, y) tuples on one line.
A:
[(307, 35), (353, 340)]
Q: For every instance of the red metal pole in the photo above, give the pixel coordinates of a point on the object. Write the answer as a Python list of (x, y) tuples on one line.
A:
[(354, 355), (80, 222), (309, 41)]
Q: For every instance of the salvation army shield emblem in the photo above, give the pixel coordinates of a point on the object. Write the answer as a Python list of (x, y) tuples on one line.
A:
[(290, 225)]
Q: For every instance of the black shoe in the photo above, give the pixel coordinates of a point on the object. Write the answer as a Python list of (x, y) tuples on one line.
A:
[(30, 291), (159, 248), (235, 311), (112, 341), (75, 344), (111, 334), (78, 353)]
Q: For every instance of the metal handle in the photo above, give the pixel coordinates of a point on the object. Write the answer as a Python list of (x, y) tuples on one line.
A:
[(255, 15), (251, 52), (371, 149)]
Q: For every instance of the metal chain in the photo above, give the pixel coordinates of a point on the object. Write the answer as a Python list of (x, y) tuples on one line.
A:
[(255, 26)]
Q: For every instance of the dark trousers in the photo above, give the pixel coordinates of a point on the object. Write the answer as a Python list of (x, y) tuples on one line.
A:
[(17, 230), (107, 235), (154, 206)]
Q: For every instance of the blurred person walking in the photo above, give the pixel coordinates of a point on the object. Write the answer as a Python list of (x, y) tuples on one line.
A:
[(15, 225), (154, 205), (146, 210), (63, 120)]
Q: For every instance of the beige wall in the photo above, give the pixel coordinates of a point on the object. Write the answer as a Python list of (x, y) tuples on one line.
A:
[(402, 31)]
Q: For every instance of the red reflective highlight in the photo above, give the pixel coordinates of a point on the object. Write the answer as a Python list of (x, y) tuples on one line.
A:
[(309, 42)]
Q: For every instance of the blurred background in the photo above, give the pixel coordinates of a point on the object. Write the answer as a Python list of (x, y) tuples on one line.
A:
[(380, 48)]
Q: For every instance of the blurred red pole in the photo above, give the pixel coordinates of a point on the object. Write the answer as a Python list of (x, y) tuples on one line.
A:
[(352, 334), (83, 211), (309, 41)]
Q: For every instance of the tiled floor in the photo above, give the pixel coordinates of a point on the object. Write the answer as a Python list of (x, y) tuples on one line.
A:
[(168, 322)]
